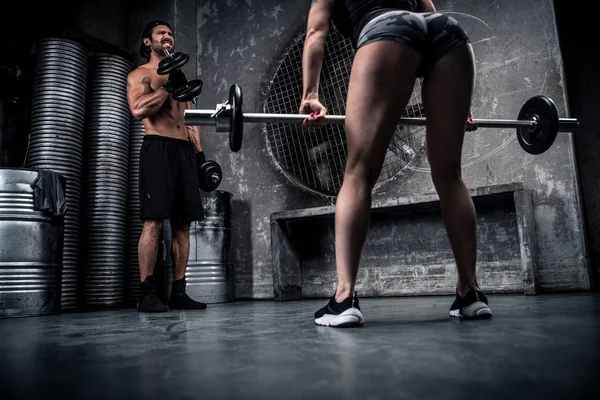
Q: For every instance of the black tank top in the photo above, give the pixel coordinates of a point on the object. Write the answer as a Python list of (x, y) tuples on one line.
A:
[(350, 16)]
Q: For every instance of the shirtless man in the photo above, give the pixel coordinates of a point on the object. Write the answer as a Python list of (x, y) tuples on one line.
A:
[(169, 159)]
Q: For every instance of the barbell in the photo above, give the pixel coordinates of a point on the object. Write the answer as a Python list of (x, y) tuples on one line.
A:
[(537, 123)]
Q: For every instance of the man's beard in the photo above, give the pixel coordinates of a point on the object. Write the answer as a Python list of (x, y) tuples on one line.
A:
[(159, 49)]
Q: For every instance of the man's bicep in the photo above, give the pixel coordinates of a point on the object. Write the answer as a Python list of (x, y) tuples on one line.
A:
[(136, 88)]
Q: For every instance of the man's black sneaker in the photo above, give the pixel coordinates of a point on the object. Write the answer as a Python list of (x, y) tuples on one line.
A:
[(179, 300), (473, 306), (341, 315), (149, 301)]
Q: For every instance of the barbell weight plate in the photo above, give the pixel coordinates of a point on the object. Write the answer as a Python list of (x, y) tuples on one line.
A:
[(168, 64), (541, 138), (190, 91), (236, 132)]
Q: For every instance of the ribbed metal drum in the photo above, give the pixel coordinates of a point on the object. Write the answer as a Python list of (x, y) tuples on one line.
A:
[(134, 224), (208, 273), (30, 249), (56, 137), (106, 175)]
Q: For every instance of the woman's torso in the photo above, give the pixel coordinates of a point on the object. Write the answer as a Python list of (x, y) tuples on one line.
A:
[(351, 16)]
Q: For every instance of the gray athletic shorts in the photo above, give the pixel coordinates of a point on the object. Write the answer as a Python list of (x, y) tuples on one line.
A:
[(431, 34)]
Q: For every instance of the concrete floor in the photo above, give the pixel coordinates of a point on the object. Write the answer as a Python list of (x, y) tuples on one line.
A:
[(541, 347)]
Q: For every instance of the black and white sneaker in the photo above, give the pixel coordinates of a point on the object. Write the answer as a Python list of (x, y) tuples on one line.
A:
[(346, 314), (473, 306)]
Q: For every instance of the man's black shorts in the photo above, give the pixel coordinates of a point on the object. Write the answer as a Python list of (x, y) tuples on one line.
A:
[(169, 180)]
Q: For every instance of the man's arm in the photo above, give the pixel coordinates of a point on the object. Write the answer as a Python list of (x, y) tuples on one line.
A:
[(317, 29), (193, 132), (143, 100), (426, 6)]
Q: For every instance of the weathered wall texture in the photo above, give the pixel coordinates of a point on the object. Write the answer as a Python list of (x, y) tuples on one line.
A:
[(518, 57), (241, 42)]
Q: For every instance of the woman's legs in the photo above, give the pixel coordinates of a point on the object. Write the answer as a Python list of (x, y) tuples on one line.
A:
[(381, 83), (447, 91)]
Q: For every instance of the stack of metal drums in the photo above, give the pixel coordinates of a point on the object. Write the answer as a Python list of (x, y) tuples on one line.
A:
[(56, 137), (106, 173), (134, 224)]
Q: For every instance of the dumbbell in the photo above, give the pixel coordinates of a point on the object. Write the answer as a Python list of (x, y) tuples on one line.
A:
[(172, 62), (209, 176)]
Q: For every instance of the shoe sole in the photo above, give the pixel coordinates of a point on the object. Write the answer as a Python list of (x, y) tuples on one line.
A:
[(477, 310), (350, 318), (152, 310)]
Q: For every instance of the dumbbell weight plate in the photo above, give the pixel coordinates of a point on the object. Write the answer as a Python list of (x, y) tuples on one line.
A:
[(236, 133), (211, 175), (191, 90), (541, 138), (168, 64)]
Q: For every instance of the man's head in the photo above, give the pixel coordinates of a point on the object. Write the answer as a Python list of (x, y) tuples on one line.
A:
[(156, 37)]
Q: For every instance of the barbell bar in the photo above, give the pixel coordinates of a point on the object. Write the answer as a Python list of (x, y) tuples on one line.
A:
[(537, 123), (204, 117)]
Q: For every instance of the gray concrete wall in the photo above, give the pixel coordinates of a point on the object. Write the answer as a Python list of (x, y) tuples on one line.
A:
[(517, 57), (241, 42)]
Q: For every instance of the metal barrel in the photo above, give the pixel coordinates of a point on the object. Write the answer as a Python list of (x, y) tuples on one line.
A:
[(208, 274), (134, 223), (58, 104), (106, 169), (30, 249)]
